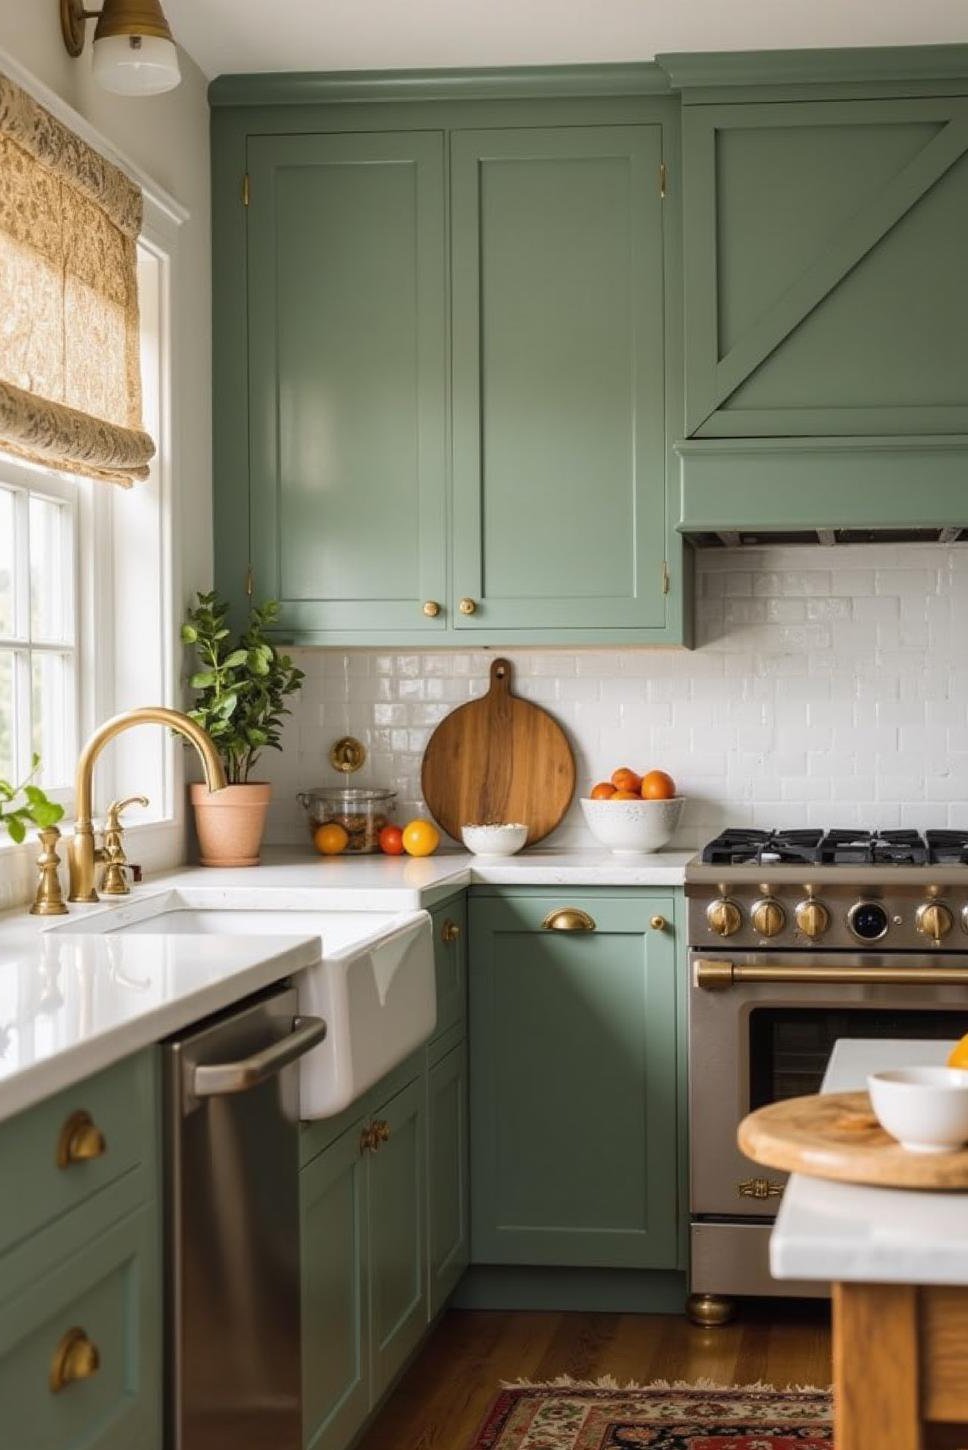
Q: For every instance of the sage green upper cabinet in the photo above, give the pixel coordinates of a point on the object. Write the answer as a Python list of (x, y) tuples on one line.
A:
[(573, 1053), (824, 276), (346, 379), (558, 369)]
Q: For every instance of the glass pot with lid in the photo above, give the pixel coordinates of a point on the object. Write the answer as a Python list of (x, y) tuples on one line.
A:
[(361, 811)]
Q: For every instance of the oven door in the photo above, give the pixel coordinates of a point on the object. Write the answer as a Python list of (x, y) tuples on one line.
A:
[(762, 1028)]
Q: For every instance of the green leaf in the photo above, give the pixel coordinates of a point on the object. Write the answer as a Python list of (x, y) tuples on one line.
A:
[(16, 828), (236, 658), (47, 813), (189, 634), (203, 679)]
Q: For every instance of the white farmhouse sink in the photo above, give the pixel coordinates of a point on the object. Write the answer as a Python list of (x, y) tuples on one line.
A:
[(374, 984)]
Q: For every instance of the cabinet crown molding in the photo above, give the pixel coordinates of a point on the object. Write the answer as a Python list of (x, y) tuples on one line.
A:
[(715, 70)]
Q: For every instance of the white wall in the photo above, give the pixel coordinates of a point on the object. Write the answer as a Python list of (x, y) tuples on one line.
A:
[(167, 137), (829, 687)]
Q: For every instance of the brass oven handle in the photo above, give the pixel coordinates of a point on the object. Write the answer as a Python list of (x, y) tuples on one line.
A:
[(719, 976), (568, 918), (213, 1079)]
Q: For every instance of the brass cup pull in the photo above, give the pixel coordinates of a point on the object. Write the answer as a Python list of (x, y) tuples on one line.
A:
[(568, 918), (658, 923), (467, 606), (431, 609), (80, 1140), (75, 1358), (450, 931)]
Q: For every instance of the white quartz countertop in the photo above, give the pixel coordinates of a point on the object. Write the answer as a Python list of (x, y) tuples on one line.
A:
[(839, 1232), (401, 883), (74, 1001)]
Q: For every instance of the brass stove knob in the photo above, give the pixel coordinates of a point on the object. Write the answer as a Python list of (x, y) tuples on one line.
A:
[(813, 918), (724, 916), (768, 917), (933, 920)]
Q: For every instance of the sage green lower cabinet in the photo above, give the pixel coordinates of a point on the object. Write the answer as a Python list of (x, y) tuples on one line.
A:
[(109, 1295), (398, 1273), (447, 1187), (573, 1083), (335, 1309)]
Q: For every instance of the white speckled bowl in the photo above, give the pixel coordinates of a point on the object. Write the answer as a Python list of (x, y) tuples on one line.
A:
[(925, 1108), (503, 840), (633, 828)]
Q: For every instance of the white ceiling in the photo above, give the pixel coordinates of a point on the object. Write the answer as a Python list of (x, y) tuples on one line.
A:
[(279, 35)]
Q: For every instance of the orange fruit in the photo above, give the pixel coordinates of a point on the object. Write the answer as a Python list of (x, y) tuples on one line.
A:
[(657, 786), (603, 791), (331, 839), (958, 1056), (625, 795), (626, 779), (420, 838)]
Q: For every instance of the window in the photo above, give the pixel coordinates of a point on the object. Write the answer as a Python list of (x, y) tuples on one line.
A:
[(38, 625)]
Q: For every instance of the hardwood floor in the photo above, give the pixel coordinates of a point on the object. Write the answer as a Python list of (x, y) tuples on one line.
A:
[(439, 1403)]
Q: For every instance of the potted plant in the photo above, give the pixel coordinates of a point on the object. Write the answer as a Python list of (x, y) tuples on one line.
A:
[(241, 689)]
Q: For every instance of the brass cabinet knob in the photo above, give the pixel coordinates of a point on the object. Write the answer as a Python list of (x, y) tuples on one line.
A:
[(658, 923), (467, 606), (367, 1140), (933, 920), (80, 1140), (813, 918), (768, 917), (568, 918), (431, 609), (724, 916), (381, 1131), (75, 1358), (450, 931)]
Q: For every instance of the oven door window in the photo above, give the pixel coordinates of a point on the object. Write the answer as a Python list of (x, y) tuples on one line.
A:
[(791, 1046)]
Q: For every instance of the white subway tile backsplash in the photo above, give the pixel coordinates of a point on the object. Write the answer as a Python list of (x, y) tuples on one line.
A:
[(828, 686)]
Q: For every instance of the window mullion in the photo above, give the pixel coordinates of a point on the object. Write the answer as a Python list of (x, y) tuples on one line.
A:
[(22, 713)]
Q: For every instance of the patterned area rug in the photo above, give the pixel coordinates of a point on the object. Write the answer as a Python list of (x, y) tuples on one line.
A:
[(567, 1416)]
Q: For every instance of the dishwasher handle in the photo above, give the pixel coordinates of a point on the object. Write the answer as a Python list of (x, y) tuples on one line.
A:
[(218, 1078)]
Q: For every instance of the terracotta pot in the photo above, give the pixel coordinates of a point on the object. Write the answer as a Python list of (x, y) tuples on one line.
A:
[(230, 823)]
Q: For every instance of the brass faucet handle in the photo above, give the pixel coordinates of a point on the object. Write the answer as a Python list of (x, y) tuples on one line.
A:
[(116, 808), (115, 881)]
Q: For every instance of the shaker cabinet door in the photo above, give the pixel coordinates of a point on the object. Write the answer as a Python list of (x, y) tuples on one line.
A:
[(447, 1182), (558, 407), (398, 1272), (335, 1308), (346, 377), (573, 1084)]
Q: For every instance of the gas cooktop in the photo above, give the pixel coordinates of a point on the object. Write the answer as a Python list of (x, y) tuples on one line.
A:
[(747, 847)]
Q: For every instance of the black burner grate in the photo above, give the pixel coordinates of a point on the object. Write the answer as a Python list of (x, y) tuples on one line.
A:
[(947, 848), (747, 847), (739, 847), (873, 848)]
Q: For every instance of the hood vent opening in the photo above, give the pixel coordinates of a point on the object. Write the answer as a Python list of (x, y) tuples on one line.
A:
[(744, 538)]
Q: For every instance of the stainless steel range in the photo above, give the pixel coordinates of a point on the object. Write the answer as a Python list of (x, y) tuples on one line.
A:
[(798, 938)]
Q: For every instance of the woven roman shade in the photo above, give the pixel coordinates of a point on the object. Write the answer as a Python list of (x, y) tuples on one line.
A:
[(70, 373)]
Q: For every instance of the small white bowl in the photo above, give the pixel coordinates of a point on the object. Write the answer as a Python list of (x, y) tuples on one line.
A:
[(925, 1108), (502, 840), (633, 828)]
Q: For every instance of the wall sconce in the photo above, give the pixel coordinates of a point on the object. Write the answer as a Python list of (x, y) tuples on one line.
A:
[(134, 51)]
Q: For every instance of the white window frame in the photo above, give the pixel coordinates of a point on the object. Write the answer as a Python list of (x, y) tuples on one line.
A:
[(106, 537)]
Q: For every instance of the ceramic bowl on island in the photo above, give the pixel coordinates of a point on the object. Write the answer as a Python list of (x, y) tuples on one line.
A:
[(924, 1108), (498, 840), (633, 828)]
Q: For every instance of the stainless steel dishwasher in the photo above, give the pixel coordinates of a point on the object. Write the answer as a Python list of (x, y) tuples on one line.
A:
[(232, 1227)]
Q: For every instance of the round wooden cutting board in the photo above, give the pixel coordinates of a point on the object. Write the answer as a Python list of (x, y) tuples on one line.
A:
[(499, 760), (836, 1135)]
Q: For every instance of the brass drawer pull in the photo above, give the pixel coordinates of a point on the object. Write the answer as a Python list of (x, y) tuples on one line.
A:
[(467, 606), (658, 923), (568, 918), (75, 1358), (759, 1188), (80, 1140), (450, 931), (431, 609)]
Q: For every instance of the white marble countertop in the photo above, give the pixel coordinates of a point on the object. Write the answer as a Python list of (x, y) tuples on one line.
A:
[(72, 1003), (839, 1232)]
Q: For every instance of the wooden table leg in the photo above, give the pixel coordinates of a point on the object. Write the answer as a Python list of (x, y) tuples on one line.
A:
[(876, 1359)]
